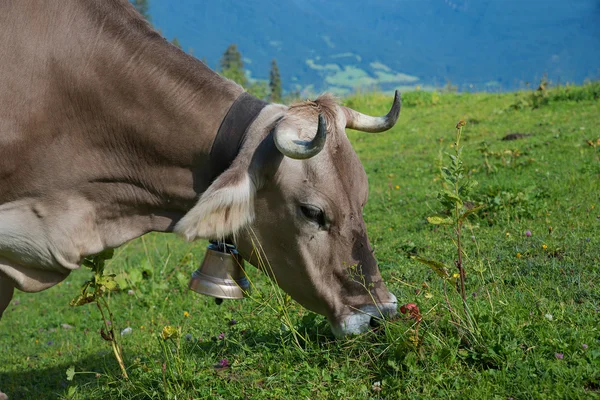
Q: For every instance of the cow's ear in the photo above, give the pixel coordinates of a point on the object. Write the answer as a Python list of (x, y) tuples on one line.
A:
[(223, 209)]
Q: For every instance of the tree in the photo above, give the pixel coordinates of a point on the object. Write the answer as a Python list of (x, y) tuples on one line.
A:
[(275, 82), (175, 42), (232, 66), (143, 8), (259, 89)]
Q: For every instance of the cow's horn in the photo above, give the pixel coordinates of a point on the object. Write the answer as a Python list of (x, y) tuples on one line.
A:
[(288, 143), (366, 123)]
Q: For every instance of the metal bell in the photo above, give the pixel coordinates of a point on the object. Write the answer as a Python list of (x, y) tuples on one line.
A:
[(221, 273)]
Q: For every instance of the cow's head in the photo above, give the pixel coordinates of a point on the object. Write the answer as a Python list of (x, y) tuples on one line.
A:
[(296, 194)]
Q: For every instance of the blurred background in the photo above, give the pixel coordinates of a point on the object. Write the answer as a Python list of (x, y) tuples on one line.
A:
[(348, 45)]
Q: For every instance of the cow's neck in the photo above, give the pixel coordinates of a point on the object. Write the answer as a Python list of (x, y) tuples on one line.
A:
[(165, 109), (232, 132)]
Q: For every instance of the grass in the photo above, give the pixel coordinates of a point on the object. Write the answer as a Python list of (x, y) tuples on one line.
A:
[(535, 299)]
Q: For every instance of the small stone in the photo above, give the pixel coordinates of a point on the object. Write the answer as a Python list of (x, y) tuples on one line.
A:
[(127, 331), (66, 326), (130, 292)]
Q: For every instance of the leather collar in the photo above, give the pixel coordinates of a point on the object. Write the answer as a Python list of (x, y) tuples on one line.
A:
[(232, 132)]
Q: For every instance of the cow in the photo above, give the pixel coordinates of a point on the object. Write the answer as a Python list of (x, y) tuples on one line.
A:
[(108, 132)]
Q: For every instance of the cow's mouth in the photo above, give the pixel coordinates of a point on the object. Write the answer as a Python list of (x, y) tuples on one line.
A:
[(363, 318)]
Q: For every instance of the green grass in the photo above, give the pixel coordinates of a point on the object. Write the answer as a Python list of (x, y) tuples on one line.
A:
[(532, 297)]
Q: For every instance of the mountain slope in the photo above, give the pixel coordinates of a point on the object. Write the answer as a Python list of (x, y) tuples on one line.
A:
[(345, 44)]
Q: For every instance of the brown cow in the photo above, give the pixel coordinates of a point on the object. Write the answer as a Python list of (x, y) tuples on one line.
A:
[(108, 132)]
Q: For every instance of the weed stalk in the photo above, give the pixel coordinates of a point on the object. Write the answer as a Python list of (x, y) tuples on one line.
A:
[(453, 197), (94, 291)]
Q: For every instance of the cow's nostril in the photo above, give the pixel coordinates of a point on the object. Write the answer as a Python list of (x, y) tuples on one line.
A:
[(374, 322)]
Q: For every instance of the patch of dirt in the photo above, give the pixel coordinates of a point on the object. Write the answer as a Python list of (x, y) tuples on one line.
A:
[(516, 136)]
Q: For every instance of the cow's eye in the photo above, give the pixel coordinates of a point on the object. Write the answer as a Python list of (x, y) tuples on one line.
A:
[(313, 214)]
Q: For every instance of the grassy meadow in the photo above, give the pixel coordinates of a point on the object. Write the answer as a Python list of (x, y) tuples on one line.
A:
[(532, 260)]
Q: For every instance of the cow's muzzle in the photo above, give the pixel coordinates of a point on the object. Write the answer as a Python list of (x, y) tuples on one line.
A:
[(365, 317)]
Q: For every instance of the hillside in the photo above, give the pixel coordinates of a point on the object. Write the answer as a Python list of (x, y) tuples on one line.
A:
[(344, 45), (533, 271)]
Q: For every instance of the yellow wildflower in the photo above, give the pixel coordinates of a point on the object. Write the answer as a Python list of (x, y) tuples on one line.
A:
[(397, 187), (544, 247), (186, 314), (518, 255), (169, 332)]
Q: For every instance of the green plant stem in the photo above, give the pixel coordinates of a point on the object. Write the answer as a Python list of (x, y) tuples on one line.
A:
[(459, 261), (458, 232), (450, 309), (117, 350)]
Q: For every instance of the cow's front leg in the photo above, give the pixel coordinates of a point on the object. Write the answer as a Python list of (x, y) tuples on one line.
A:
[(6, 294)]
